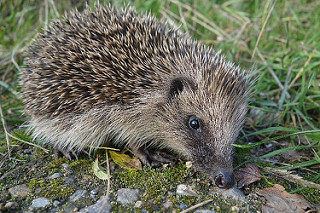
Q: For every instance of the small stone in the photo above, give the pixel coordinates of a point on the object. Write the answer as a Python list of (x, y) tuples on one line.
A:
[(233, 193), (56, 203), (67, 168), (78, 194), (19, 191), (183, 206), (184, 190), (70, 208), (204, 211), (268, 145), (188, 164), (94, 191), (27, 151), (40, 202), (235, 209), (102, 205), (55, 175), (11, 205), (167, 204), (68, 180), (138, 204), (127, 196)]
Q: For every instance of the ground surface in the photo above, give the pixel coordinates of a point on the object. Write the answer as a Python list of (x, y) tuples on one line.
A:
[(279, 39)]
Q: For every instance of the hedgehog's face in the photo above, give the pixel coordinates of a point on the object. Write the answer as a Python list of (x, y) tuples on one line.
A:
[(203, 128)]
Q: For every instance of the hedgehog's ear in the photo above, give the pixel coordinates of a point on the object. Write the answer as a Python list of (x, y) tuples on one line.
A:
[(178, 85)]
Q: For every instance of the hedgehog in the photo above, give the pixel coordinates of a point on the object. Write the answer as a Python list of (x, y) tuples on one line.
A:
[(108, 76)]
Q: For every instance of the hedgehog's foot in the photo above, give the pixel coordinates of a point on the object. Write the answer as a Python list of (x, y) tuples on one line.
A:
[(153, 158), (69, 154)]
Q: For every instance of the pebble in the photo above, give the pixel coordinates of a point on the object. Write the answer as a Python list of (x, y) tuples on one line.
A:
[(40, 202), (188, 164), (127, 196), (78, 194), (94, 191), (27, 151), (68, 180), (184, 190), (167, 204), (235, 209), (234, 193), (70, 208), (11, 205), (19, 191), (183, 206), (55, 175), (138, 204), (56, 203), (67, 168), (102, 205), (204, 211)]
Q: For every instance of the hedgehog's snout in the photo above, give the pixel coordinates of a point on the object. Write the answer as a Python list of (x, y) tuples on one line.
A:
[(224, 179)]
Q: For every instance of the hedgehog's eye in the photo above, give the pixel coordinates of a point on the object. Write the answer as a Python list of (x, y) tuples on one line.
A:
[(194, 123)]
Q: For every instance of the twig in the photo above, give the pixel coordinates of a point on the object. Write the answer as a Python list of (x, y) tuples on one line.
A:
[(108, 172), (29, 143), (262, 29), (105, 200), (197, 206), (292, 178), (4, 124)]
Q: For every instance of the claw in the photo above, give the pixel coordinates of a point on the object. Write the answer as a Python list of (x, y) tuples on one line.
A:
[(153, 158), (69, 154)]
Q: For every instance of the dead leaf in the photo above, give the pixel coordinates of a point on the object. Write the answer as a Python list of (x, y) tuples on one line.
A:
[(249, 174), (125, 161), (278, 200), (98, 170)]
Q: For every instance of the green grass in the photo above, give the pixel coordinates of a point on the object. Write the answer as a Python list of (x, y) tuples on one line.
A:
[(280, 40)]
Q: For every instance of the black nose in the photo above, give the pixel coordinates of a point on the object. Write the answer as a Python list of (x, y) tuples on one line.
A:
[(224, 179)]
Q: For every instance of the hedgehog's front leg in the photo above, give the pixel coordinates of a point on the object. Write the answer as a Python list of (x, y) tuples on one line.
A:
[(153, 158), (65, 153)]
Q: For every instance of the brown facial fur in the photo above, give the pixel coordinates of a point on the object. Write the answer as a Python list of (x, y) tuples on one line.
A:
[(114, 76)]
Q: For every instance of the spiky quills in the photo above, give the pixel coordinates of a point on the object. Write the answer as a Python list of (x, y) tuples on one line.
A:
[(104, 75)]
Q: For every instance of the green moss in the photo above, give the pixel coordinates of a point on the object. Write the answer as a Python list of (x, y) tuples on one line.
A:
[(51, 188), (155, 182), (312, 195), (55, 165), (36, 182), (81, 165)]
